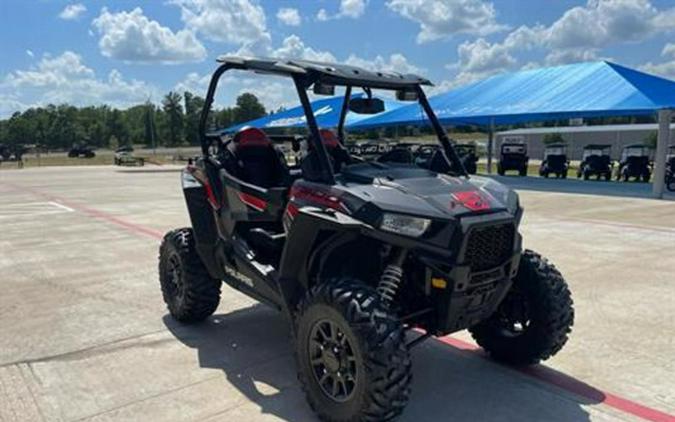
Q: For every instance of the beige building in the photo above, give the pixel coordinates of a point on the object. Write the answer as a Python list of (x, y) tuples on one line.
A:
[(577, 136)]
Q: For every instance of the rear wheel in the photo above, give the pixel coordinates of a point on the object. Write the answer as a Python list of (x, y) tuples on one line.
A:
[(523, 171), (500, 170), (188, 290), (534, 319), (352, 359), (587, 175)]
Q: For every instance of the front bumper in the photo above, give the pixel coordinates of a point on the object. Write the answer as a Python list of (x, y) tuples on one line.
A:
[(467, 296)]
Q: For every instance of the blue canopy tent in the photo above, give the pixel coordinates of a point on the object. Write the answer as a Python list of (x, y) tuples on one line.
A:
[(326, 112), (593, 89)]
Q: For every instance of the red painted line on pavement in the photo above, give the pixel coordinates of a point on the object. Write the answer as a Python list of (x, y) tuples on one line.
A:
[(576, 387), (91, 212)]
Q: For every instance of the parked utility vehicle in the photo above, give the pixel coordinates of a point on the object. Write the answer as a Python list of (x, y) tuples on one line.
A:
[(357, 253), (513, 156), (467, 153), (596, 161), (636, 162), (670, 169), (81, 151), (555, 161)]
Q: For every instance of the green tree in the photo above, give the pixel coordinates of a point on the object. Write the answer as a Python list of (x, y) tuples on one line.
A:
[(553, 138), (174, 117), (248, 108), (149, 126), (651, 140), (193, 109)]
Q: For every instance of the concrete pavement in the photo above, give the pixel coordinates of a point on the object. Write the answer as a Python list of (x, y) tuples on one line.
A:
[(84, 334)]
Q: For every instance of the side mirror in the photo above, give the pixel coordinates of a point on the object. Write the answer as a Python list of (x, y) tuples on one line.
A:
[(366, 105), (322, 89), (406, 95)]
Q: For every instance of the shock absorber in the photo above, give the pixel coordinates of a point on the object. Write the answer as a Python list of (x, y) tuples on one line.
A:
[(390, 281)]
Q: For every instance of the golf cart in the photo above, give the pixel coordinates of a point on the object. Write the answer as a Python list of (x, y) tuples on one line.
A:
[(555, 161), (596, 161), (635, 162), (670, 169), (513, 156), (467, 153), (356, 253), (81, 151)]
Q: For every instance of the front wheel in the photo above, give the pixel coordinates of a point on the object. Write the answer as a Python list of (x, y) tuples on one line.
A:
[(534, 319), (670, 184), (353, 363), (189, 291)]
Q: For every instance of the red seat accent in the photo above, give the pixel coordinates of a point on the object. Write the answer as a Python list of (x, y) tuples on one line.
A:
[(329, 138), (252, 137)]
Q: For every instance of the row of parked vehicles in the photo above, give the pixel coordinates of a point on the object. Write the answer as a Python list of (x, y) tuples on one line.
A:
[(424, 155), (635, 163)]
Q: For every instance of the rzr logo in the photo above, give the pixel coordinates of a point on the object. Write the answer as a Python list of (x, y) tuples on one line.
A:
[(473, 200)]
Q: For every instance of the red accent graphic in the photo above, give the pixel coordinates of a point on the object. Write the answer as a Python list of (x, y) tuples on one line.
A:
[(317, 198), (209, 195), (329, 138), (292, 210), (472, 200), (253, 201)]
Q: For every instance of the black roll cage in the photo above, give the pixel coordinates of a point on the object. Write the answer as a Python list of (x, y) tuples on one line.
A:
[(307, 73)]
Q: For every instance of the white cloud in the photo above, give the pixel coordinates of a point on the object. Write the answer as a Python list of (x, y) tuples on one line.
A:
[(668, 50), (30, 53), (348, 9), (664, 69), (322, 15), (230, 21), (293, 47), (352, 8), (195, 83), (578, 35), (396, 62), (443, 18), (289, 16), (73, 11), (66, 79), (132, 37)]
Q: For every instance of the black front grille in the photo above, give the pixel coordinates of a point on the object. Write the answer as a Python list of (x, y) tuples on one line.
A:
[(489, 246)]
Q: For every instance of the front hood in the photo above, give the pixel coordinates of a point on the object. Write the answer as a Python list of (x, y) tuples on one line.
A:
[(413, 190)]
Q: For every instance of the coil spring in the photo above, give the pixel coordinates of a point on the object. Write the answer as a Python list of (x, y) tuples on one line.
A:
[(389, 283)]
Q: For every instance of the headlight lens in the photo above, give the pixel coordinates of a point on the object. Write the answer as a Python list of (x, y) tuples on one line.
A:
[(404, 224)]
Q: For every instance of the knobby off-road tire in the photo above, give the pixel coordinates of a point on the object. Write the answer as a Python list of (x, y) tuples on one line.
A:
[(371, 353), (541, 292), (188, 290)]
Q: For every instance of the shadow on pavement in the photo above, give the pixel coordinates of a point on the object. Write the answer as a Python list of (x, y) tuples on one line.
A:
[(584, 187), (253, 348)]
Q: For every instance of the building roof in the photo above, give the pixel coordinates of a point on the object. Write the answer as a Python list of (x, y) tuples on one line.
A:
[(328, 73), (592, 89), (584, 129)]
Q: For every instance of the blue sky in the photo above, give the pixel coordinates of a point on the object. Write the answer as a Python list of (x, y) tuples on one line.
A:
[(122, 52)]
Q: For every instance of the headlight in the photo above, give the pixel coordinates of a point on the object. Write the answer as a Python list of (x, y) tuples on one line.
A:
[(404, 224)]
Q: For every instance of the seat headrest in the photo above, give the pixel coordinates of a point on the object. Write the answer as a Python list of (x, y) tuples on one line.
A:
[(329, 138), (251, 137)]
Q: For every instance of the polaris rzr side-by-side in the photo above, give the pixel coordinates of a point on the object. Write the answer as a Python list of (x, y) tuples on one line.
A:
[(358, 253), (555, 161), (513, 156), (596, 161), (635, 162)]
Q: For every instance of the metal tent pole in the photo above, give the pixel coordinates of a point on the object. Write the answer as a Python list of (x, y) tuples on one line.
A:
[(490, 146), (661, 148)]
